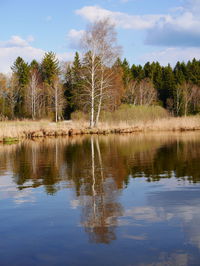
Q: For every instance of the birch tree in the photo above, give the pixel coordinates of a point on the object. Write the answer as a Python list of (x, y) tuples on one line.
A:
[(178, 100), (99, 44), (3, 83), (188, 91), (140, 92), (12, 93), (58, 99), (34, 92)]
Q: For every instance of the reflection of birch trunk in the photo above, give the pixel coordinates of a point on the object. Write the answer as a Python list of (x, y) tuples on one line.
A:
[(56, 153), (100, 210), (34, 159), (100, 159), (93, 180), (102, 178)]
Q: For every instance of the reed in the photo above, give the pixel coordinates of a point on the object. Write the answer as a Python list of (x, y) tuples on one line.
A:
[(30, 129)]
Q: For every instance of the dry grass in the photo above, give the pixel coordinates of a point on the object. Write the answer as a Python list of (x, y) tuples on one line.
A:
[(131, 113), (20, 129), (23, 129), (162, 124)]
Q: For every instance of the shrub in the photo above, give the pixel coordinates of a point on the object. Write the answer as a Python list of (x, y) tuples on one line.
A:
[(131, 113), (79, 116)]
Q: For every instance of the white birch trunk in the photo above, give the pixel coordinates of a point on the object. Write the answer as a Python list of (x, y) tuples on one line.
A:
[(92, 92)]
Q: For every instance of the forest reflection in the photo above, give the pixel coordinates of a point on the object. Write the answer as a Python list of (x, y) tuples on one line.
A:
[(97, 169)]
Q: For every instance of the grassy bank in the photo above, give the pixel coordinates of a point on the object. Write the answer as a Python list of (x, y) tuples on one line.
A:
[(32, 129), (126, 119)]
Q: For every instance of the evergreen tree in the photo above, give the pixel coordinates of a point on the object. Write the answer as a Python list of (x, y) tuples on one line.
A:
[(50, 71), (148, 71), (194, 72), (179, 73), (72, 85), (168, 85), (50, 68), (34, 65), (158, 78), (137, 72), (21, 71), (127, 75)]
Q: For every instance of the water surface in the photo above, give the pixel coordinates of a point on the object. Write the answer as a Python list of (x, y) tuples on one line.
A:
[(109, 200)]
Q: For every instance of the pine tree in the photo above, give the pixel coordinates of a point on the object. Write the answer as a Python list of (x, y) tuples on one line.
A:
[(168, 85), (148, 71), (21, 71), (50, 68), (50, 71), (158, 78), (127, 75), (72, 85)]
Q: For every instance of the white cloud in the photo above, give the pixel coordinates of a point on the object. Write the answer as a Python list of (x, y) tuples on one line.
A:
[(16, 46), (172, 55), (14, 41), (181, 27), (74, 37), (9, 54), (192, 5), (123, 20)]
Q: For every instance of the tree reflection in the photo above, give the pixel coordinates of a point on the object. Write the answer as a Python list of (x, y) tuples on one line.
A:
[(98, 168), (97, 192), (101, 209)]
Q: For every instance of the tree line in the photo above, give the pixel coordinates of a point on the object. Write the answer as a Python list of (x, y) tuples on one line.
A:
[(177, 89), (96, 80)]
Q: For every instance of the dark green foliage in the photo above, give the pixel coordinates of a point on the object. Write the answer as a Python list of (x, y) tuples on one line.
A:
[(21, 69), (50, 68), (148, 71), (34, 65), (127, 75), (179, 73), (72, 85), (168, 85), (68, 85), (137, 72), (157, 75)]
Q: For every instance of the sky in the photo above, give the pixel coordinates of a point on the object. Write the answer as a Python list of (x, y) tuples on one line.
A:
[(148, 30)]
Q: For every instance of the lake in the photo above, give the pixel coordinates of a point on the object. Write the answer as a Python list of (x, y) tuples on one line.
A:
[(107, 200)]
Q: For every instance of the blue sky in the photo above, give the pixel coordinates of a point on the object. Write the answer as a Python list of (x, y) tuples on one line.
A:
[(159, 30)]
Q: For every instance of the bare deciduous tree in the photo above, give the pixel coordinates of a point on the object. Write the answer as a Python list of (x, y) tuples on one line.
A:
[(3, 84), (178, 100), (58, 99), (12, 93), (100, 49), (188, 90), (34, 93), (186, 94), (141, 93)]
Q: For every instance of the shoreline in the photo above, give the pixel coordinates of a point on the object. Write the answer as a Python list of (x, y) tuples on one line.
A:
[(13, 131)]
